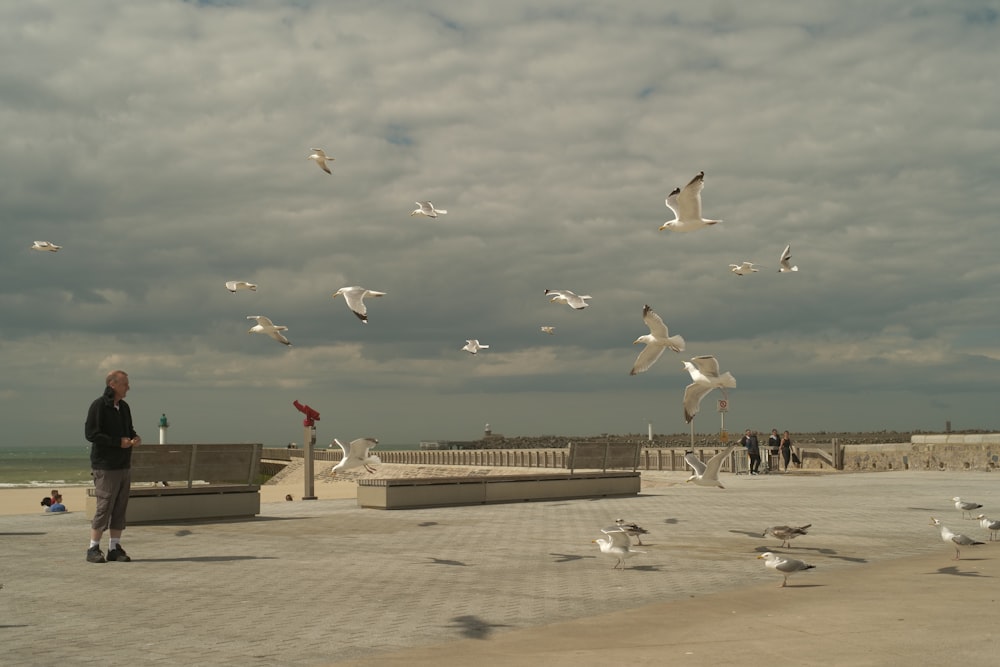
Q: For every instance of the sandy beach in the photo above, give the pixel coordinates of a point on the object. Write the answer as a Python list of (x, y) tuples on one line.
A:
[(27, 501)]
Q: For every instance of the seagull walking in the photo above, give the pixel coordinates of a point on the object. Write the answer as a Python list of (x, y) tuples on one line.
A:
[(427, 208), (356, 455), (992, 526), (784, 566), (704, 371), (742, 269), (657, 340), (355, 298), (321, 159), (786, 533), (955, 539), (45, 246), (239, 285), (686, 205), (265, 326), (617, 544), (785, 261), (473, 346), (966, 507), (569, 298), (632, 530), (707, 474)]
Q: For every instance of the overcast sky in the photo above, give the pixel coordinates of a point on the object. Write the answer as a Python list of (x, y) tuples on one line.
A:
[(163, 145)]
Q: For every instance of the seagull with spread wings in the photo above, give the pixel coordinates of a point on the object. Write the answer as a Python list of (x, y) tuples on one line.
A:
[(657, 340), (355, 298), (704, 371), (617, 544), (686, 205), (427, 208), (576, 302), (356, 455), (707, 474), (321, 158), (266, 326)]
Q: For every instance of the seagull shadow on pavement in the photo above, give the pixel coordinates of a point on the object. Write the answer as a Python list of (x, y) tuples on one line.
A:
[(644, 568), (953, 570), (566, 558), (202, 559), (424, 524), (445, 561), (473, 627)]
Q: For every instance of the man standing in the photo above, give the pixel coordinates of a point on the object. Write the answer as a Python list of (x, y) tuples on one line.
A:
[(111, 435), (749, 440)]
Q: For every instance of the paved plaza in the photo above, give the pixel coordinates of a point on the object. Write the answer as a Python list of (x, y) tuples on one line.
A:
[(321, 582)]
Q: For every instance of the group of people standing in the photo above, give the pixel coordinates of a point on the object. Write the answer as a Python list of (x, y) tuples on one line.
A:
[(778, 446)]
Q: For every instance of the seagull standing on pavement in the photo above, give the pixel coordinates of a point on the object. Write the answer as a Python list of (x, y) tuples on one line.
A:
[(786, 533), (633, 530), (992, 526), (617, 544), (784, 566), (955, 539), (965, 507)]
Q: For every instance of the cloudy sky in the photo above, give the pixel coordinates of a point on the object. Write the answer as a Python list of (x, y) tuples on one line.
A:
[(164, 146)]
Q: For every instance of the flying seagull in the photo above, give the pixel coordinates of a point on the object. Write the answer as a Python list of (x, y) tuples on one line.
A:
[(992, 526), (321, 158), (786, 260), (549, 330), (569, 298), (657, 340), (744, 268), (473, 346), (786, 533), (955, 539), (617, 544), (427, 208), (237, 285), (355, 298), (705, 377), (707, 474), (265, 326), (686, 205), (784, 566), (966, 507), (356, 455), (45, 246), (632, 530)]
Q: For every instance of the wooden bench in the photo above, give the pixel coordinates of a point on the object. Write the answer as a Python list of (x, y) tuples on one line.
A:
[(206, 481)]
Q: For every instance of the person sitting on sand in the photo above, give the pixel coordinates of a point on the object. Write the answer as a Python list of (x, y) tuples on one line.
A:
[(56, 504)]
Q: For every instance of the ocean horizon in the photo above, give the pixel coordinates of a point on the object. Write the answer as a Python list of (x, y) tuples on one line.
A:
[(69, 465)]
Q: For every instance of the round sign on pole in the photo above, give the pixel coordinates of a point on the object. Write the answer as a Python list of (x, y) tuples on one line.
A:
[(723, 405)]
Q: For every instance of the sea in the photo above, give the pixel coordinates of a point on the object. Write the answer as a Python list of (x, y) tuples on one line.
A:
[(62, 465)]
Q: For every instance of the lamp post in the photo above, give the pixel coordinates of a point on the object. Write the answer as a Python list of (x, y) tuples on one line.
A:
[(309, 423)]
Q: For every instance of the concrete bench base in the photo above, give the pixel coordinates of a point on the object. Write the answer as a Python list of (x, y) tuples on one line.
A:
[(444, 491), (169, 504)]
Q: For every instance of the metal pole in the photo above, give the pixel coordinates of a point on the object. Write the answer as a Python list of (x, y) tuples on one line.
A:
[(310, 441)]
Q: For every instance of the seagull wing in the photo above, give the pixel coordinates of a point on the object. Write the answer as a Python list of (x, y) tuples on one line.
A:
[(231, 285), (359, 447), (708, 365), (654, 322), (693, 394), (619, 538), (672, 202), (647, 357), (696, 464), (714, 463), (689, 199), (275, 333)]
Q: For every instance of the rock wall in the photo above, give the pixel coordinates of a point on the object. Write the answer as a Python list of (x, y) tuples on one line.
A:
[(927, 452)]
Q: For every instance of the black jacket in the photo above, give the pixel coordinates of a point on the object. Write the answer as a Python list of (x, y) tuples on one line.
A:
[(104, 429)]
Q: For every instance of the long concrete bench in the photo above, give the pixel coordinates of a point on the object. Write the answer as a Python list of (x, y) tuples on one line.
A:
[(444, 491), (204, 481)]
